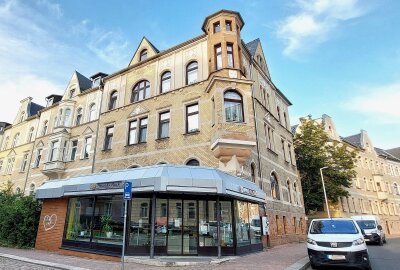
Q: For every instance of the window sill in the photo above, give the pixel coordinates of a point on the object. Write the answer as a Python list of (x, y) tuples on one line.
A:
[(135, 144), (236, 122), (106, 150), (162, 139), (272, 151), (191, 133)]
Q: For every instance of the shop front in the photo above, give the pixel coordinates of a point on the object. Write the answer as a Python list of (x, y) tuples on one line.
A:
[(175, 210)]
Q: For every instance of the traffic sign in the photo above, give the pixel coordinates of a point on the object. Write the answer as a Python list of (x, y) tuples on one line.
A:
[(127, 190)]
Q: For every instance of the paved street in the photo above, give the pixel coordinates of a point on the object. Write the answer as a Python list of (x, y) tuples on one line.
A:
[(386, 257), (7, 264)]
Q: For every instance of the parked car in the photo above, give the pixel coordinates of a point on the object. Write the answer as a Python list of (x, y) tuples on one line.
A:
[(373, 231), (337, 241)]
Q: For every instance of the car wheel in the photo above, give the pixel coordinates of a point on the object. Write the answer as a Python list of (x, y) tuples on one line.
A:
[(384, 240), (313, 266), (368, 267)]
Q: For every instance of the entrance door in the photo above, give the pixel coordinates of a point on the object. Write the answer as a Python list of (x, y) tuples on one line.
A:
[(182, 227)]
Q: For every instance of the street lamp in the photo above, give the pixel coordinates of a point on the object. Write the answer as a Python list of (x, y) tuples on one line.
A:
[(323, 187)]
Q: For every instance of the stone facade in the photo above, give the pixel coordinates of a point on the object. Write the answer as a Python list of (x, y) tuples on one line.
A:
[(193, 85), (375, 189)]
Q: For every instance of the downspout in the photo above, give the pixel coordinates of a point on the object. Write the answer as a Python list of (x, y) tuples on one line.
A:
[(98, 125), (30, 158), (255, 121)]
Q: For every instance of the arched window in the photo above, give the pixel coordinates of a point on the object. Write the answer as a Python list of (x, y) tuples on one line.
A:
[(396, 189), (22, 117), (274, 187), (191, 72), (113, 100), (253, 172), (140, 91), (18, 190), (289, 191), (78, 119), (285, 119), (32, 189), (193, 162), (233, 105), (295, 193), (15, 141), (143, 55), (6, 143), (165, 81), (30, 135), (44, 128), (92, 112), (67, 117)]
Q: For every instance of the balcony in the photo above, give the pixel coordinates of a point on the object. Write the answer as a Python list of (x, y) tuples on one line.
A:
[(382, 195), (225, 149), (53, 169)]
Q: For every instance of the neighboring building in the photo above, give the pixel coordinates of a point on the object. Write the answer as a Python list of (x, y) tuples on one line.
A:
[(375, 190), (206, 102)]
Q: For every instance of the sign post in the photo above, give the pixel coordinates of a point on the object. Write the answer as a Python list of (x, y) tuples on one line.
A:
[(127, 194)]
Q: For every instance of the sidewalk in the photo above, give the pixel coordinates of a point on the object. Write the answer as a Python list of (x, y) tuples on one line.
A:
[(275, 258)]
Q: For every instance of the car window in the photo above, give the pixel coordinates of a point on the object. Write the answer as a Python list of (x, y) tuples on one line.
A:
[(333, 227), (366, 224)]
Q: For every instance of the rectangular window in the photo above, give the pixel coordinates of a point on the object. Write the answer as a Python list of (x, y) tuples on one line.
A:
[(143, 130), (10, 165), (283, 149), (24, 162), (54, 150), (132, 132), (88, 147), (163, 125), (228, 25), (229, 50), (38, 157), (109, 137), (290, 153), (74, 147), (192, 118), (217, 27), (218, 56)]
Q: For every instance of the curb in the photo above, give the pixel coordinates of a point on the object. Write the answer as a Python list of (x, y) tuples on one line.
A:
[(44, 263), (300, 264), (155, 262)]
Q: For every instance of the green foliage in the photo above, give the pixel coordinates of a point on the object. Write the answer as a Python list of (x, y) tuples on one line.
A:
[(105, 221), (19, 218), (315, 150)]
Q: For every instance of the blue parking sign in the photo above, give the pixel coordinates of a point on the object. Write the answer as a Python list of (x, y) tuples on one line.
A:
[(127, 190)]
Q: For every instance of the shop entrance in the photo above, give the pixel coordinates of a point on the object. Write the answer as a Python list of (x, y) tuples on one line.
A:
[(182, 227)]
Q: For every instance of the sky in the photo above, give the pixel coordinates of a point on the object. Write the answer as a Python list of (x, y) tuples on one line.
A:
[(334, 57)]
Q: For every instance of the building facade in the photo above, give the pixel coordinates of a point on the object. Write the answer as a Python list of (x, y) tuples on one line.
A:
[(375, 190), (208, 101)]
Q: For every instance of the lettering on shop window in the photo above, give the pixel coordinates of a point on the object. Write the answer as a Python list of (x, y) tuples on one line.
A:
[(49, 222)]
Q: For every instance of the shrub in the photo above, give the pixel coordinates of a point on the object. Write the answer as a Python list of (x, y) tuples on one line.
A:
[(19, 218)]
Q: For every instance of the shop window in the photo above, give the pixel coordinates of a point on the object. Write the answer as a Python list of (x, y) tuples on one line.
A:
[(191, 73), (192, 118), (140, 229), (255, 223), (166, 82), (79, 219), (160, 238), (140, 91), (242, 223), (233, 105)]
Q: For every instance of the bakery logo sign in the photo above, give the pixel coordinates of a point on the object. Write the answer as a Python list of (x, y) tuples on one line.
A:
[(247, 191), (107, 185), (49, 222)]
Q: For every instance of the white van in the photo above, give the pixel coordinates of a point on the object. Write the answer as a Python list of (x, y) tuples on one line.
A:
[(372, 228), (337, 241)]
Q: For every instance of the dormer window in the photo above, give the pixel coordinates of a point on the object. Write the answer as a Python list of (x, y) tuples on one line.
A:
[(143, 55), (96, 82), (71, 93), (49, 102), (217, 27)]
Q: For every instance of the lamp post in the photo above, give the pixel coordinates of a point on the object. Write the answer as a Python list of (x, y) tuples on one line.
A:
[(323, 187)]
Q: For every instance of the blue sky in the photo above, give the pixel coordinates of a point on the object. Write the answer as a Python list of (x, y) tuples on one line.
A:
[(339, 57)]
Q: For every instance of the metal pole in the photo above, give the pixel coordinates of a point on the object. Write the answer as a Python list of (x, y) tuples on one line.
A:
[(124, 236), (218, 227), (153, 223), (323, 187)]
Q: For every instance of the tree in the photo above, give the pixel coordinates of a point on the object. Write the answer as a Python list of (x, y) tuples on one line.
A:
[(314, 150)]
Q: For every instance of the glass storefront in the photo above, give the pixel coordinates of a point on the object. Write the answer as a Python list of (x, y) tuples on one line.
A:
[(183, 226)]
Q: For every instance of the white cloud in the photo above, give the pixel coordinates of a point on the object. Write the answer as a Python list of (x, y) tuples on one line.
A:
[(379, 105), (314, 20)]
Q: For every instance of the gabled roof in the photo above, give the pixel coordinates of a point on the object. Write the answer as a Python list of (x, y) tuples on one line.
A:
[(84, 83), (394, 151), (34, 108), (386, 154), (252, 46), (144, 40), (203, 27), (354, 140)]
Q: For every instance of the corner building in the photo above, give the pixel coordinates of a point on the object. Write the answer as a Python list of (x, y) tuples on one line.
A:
[(207, 102)]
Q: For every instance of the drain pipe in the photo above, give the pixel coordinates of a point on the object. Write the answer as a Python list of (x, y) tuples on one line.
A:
[(101, 88)]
